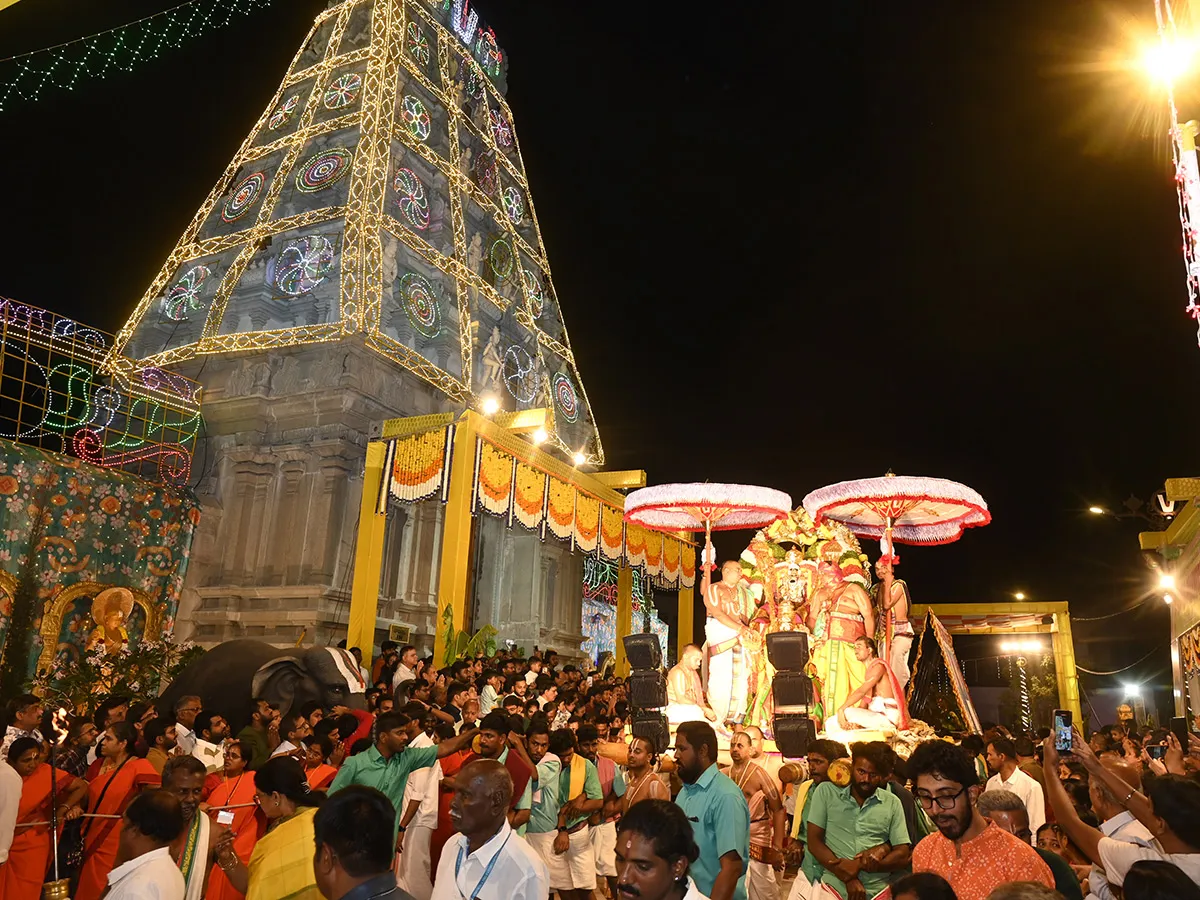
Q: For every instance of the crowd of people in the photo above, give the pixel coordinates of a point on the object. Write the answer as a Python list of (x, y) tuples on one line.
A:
[(510, 779)]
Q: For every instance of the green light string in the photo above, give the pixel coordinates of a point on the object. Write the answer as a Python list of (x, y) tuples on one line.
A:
[(27, 77)]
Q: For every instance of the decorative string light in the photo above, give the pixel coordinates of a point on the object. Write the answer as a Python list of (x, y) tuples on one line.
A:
[(468, 155), (27, 77)]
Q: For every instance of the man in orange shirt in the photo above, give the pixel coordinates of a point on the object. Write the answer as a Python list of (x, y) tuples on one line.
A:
[(972, 854)]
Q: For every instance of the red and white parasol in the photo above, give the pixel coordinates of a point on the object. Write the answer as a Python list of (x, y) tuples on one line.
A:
[(908, 509), (706, 507)]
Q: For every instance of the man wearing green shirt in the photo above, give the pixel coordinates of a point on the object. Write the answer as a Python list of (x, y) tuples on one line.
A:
[(718, 811), (262, 734), (857, 833), (387, 764), (543, 813)]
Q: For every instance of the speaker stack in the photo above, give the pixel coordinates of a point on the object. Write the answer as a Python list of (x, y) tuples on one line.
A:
[(791, 692), (646, 688)]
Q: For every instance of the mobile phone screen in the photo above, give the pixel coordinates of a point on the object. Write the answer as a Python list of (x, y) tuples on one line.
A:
[(1179, 727), (225, 817), (1062, 730), (1156, 751)]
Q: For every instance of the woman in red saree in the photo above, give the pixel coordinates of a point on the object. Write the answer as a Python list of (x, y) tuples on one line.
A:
[(445, 826), (120, 778), (235, 789), (21, 878)]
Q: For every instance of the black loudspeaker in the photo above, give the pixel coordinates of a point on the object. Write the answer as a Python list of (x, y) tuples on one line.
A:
[(793, 734), (788, 650), (643, 651), (646, 690), (792, 693), (653, 727)]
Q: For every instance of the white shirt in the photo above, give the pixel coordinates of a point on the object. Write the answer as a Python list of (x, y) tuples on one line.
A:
[(1122, 827), (693, 892), (12, 733), (403, 674), (489, 699), (10, 799), (1118, 858), (151, 876), (212, 755), (519, 873), (531, 677), (423, 785), (185, 738), (1030, 793)]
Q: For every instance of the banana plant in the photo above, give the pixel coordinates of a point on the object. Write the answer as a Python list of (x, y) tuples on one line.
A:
[(463, 644)]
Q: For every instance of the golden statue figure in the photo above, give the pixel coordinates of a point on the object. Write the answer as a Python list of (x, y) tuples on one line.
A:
[(111, 610)]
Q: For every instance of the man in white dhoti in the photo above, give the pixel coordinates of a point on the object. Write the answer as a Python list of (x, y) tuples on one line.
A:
[(878, 703), (730, 605), (685, 694)]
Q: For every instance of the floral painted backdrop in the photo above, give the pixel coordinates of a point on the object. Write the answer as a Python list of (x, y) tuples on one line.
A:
[(104, 528)]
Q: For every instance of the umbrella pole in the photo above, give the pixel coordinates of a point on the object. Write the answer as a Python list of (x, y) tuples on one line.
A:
[(889, 618)]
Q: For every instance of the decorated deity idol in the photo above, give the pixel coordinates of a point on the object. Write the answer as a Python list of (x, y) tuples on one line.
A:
[(839, 614), (111, 610)]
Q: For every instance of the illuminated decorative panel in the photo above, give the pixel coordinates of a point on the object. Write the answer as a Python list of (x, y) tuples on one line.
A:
[(381, 195)]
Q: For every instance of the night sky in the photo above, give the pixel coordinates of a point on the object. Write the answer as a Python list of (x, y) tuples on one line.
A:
[(789, 251)]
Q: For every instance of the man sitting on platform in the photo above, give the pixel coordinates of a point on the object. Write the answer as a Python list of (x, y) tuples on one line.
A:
[(878, 703), (685, 695)]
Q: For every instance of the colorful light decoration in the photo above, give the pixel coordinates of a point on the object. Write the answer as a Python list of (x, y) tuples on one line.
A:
[(486, 174), (360, 303), (323, 169), (411, 198), (488, 54), (564, 395), (514, 205), (243, 197), (1187, 169), (54, 394), (343, 91), (64, 66), (534, 292), (416, 117), (184, 295), (420, 305), (283, 113), (302, 265), (501, 129), (418, 44), (520, 374)]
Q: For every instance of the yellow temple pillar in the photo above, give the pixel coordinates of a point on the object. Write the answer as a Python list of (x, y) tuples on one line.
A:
[(684, 632), (1064, 659), (368, 556), (624, 615), (453, 577)]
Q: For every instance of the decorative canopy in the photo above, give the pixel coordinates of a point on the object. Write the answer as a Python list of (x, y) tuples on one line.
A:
[(917, 510), (706, 507)]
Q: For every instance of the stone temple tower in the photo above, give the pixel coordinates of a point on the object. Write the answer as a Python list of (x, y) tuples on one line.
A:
[(372, 251)]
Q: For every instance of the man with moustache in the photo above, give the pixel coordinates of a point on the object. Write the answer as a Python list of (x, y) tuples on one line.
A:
[(655, 847), (717, 809), (857, 833), (193, 850), (768, 821), (486, 861), (972, 854)]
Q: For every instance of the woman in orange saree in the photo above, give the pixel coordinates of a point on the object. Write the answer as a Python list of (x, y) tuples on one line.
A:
[(235, 789), (121, 777), (318, 772), (21, 878)]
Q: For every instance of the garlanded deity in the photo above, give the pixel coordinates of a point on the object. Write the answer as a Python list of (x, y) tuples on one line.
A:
[(111, 610)]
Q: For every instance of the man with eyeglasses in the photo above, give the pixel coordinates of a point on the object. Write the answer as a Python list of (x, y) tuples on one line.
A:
[(972, 854)]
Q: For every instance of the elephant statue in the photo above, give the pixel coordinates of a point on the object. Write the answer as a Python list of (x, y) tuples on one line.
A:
[(228, 677)]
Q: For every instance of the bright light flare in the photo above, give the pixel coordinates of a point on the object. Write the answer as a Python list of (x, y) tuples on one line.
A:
[(580, 459), (1165, 62), (1133, 690), (1166, 582), (1096, 510), (491, 406), (1022, 646), (540, 436), (1019, 595), (1168, 599)]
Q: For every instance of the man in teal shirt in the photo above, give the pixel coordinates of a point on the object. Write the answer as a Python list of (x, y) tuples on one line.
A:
[(386, 765), (857, 833), (717, 809)]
